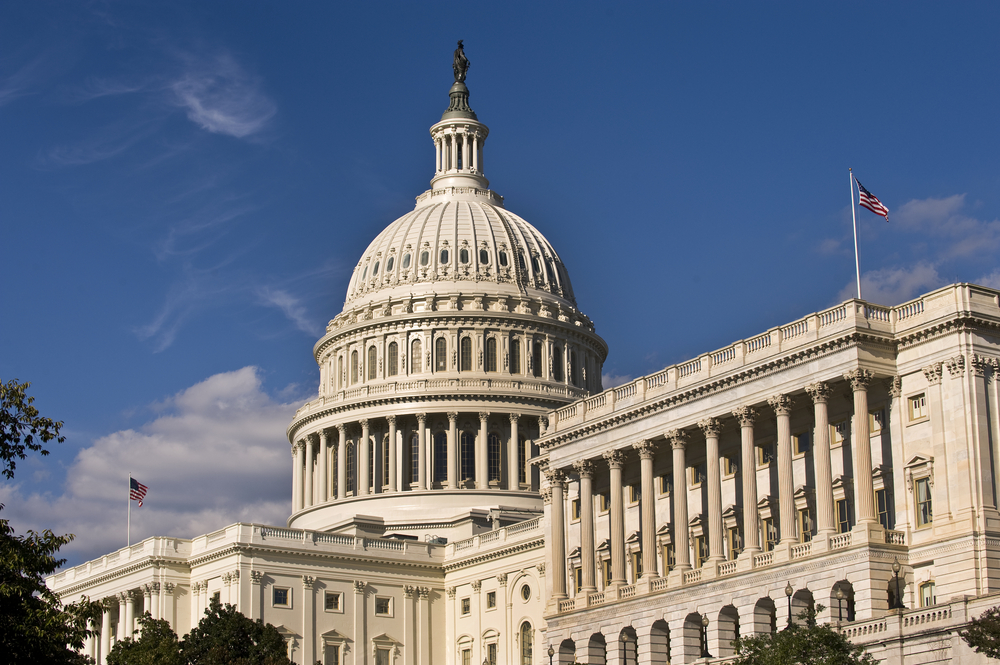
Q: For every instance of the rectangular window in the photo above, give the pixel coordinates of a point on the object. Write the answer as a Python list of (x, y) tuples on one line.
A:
[(764, 455), (882, 506), (634, 493), (333, 654), (491, 600), (843, 517), (927, 595), (700, 550), (217, 596), (925, 513), (729, 466), (606, 571), (466, 656), (666, 484), (574, 510), (491, 653), (603, 502), (669, 557), (805, 526), (734, 542), (696, 475), (636, 560), (381, 657), (838, 432), (383, 606), (918, 406), (800, 443), (770, 534), (332, 601), (522, 461), (281, 596), (414, 459), (875, 420), (466, 606), (578, 578)]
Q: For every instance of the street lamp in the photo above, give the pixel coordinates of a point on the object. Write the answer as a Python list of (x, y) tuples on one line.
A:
[(898, 601), (704, 637), (552, 652), (840, 607), (788, 594)]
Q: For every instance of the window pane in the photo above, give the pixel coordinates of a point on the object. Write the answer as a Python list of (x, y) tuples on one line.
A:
[(493, 452), (515, 356), (440, 355), (491, 354), (440, 457), (393, 359), (466, 353)]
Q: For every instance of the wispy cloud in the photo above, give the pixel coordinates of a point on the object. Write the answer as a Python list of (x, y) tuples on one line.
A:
[(109, 143), (615, 380), (220, 97), (891, 286), (20, 83), (97, 87), (291, 307)]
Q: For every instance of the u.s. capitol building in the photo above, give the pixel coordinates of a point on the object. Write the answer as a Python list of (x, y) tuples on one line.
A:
[(464, 491)]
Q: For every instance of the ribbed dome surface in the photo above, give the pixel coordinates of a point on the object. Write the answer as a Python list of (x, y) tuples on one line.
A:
[(466, 239)]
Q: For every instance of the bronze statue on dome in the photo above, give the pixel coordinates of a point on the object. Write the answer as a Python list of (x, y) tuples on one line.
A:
[(461, 63)]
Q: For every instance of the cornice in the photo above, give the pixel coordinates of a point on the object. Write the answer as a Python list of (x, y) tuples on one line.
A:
[(495, 554), (145, 562)]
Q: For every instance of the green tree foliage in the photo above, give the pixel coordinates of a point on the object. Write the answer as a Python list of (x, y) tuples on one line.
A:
[(225, 636), (156, 645), (983, 634), (809, 644), (34, 626)]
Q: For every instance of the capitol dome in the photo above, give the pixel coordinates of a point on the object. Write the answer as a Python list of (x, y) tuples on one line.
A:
[(459, 332)]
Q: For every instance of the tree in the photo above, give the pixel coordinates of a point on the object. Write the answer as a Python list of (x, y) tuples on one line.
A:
[(156, 644), (224, 636), (810, 644), (34, 626), (983, 634)]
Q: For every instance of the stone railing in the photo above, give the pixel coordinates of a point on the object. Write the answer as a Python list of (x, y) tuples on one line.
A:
[(763, 559), (840, 541), (801, 550), (567, 605), (863, 628), (692, 576), (727, 568), (596, 598), (958, 299), (895, 537), (529, 528), (927, 615), (627, 591), (659, 584)]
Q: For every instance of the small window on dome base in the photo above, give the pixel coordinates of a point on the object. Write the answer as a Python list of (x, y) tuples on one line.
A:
[(375, 269), (503, 259), (406, 261), (388, 264), (484, 256), (444, 256), (425, 258), (463, 256)]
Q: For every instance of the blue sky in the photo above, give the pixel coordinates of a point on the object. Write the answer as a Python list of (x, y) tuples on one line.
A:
[(185, 188)]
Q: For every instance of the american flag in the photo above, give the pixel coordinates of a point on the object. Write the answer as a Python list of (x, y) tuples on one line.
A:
[(137, 491), (870, 201)]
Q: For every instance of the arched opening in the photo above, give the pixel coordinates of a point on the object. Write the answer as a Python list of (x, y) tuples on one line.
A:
[(802, 605), (693, 634), (386, 453), (440, 355), (468, 453), (440, 457), (354, 367), (536, 358), (465, 353), (349, 464), (573, 374), (728, 628), (765, 616), (526, 638), (414, 458), (340, 371), (566, 652), (416, 355), (494, 457), (393, 364), (372, 363), (597, 650), (628, 643), (659, 643), (491, 354), (842, 604), (557, 363), (515, 356)]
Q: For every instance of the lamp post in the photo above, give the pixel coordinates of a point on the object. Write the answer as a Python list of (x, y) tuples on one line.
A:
[(840, 607), (704, 637), (788, 594), (552, 652), (898, 600), (626, 641)]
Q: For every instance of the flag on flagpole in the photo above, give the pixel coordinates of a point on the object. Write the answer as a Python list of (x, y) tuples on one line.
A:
[(137, 491), (870, 201)]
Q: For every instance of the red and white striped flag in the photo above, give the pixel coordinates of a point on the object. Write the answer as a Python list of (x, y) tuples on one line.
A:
[(870, 201), (137, 491)]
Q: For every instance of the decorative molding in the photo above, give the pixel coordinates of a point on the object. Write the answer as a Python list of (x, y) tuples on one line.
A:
[(956, 366), (677, 438), (745, 415), (646, 448), (859, 379), (781, 404), (584, 468), (710, 427), (615, 459), (933, 373)]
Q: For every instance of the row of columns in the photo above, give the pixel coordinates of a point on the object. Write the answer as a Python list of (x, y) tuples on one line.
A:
[(312, 455), (710, 427), (448, 146), (99, 646)]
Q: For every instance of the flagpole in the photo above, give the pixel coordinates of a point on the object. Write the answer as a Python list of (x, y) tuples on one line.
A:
[(128, 528), (854, 218)]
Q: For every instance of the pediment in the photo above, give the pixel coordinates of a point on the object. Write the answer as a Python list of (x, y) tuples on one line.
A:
[(334, 636), (663, 530), (386, 639), (633, 537), (731, 512), (918, 460)]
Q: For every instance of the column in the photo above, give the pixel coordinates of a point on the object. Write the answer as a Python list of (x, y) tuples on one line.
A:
[(513, 458), (89, 642), (154, 599), (147, 596), (342, 461), (307, 499), (169, 605), (107, 604), (647, 507), (453, 150), (322, 474), (130, 613), (748, 461), (557, 534), (616, 515), (482, 461), (437, 156), (424, 624), (308, 620), (586, 471), (466, 152), (364, 453), (453, 450), (682, 553), (473, 147), (297, 480), (826, 521), (421, 444), (863, 490), (120, 632), (711, 427), (782, 405), (360, 623), (391, 452)]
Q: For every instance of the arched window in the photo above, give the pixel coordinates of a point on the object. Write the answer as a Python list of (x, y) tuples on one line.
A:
[(522, 458), (389, 263), (425, 258), (440, 355), (491, 354), (415, 457), (484, 257), (375, 269), (468, 452), (557, 363), (386, 452), (463, 255), (440, 457), (349, 464), (503, 259), (444, 256), (515, 356), (466, 353), (393, 364), (416, 357), (536, 358), (526, 635), (340, 371), (372, 363), (493, 455), (354, 367), (406, 261), (573, 378)]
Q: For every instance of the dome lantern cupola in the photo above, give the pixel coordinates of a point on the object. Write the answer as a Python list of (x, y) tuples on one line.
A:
[(459, 137)]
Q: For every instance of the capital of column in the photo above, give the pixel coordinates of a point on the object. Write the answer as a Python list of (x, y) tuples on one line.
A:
[(484, 415), (422, 418), (894, 384), (819, 392), (409, 590), (710, 427), (645, 448), (391, 419), (555, 476), (363, 422), (256, 576), (615, 459), (424, 592), (308, 581), (451, 592), (585, 468), (109, 603), (514, 417), (452, 417), (933, 373), (859, 378), (359, 586), (342, 428), (782, 404), (168, 587), (546, 493), (477, 585), (956, 366), (677, 438), (295, 447), (745, 415), (502, 579)]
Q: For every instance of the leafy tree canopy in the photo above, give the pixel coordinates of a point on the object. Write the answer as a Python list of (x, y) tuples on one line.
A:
[(21, 427), (983, 634), (809, 644), (225, 636), (156, 645)]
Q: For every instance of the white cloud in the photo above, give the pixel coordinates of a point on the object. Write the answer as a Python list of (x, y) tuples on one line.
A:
[(215, 455), (615, 380), (956, 236), (892, 286), (220, 97), (991, 280), (291, 307)]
